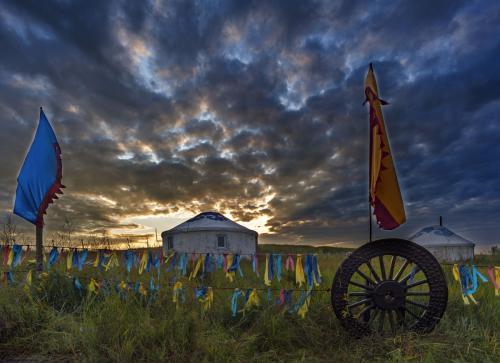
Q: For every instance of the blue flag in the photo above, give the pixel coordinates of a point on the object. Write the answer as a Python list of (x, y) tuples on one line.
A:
[(40, 177)]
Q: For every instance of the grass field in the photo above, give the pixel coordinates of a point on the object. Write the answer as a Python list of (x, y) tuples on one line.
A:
[(56, 323)]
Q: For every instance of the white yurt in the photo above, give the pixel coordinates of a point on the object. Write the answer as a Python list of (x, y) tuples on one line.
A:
[(444, 244), (210, 232)]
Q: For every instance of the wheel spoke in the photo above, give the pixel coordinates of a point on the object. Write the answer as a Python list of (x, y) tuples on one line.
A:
[(374, 316), (411, 313), (401, 270), (381, 321), (416, 293), (363, 275), (365, 310), (425, 307), (382, 267), (372, 270), (413, 272), (391, 321), (421, 282), (401, 318), (366, 287), (358, 293), (357, 303), (393, 263)]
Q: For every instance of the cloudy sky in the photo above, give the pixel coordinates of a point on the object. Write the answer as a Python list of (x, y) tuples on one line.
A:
[(253, 109)]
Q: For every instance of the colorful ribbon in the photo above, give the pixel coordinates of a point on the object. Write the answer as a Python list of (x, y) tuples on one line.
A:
[(128, 256), (197, 268), (289, 264), (255, 264), (17, 252), (53, 256), (205, 296), (494, 274), (302, 304), (278, 267), (178, 296), (267, 281), (143, 263), (252, 299), (234, 302), (299, 272)]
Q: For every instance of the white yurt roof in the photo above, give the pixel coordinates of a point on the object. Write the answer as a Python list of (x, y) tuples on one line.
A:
[(209, 221), (439, 236)]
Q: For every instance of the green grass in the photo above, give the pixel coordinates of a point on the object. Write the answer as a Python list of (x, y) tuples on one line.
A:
[(56, 323)]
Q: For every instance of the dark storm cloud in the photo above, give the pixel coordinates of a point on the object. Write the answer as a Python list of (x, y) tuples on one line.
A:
[(254, 108)]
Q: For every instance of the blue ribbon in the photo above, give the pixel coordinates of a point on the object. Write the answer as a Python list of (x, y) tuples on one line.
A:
[(308, 269), (278, 267), (150, 261), (288, 297), (157, 264), (53, 256), (9, 276), (303, 296), (269, 297), (235, 266), (468, 278), (182, 266), (173, 262), (18, 252), (234, 302), (76, 283), (200, 292), (74, 258), (270, 274), (129, 259), (81, 257), (220, 261), (316, 269)]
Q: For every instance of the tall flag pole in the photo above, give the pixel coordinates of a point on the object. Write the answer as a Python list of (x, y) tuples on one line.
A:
[(385, 195), (39, 181)]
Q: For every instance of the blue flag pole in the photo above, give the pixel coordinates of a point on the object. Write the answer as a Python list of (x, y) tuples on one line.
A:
[(39, 181)]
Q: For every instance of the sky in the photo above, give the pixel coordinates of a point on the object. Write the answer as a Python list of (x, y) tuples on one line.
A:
[(164, 109)]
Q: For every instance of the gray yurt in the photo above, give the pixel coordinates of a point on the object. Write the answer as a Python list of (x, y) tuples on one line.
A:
[(443, 243), (210, 232)]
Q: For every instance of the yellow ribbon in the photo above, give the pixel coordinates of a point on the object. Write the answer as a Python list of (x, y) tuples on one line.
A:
[(267, 282), (97, 257), (93, 286), (497, 278), (29, 279), (253, 299), (299, 271), (207, 300), (144, 262), (201, 261), (456, 272), (142, 290), (123, 285), (177, 291), (113, 262), (302, 311), (11, 257), (230, 274), (69, 260)]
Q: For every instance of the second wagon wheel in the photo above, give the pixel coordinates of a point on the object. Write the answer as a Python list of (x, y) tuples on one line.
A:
[(389, 285)]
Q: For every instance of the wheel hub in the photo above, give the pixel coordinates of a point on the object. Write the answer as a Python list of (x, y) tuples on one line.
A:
[(389, 295)]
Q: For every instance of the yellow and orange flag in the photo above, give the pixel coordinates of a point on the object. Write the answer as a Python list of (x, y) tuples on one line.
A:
[(385, 195)]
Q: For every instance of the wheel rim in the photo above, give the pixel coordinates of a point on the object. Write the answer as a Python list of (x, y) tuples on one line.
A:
[(387, 286)]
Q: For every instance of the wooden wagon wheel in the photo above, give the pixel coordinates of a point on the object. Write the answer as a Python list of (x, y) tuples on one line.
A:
[(389, 285)]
